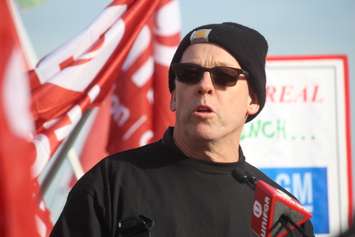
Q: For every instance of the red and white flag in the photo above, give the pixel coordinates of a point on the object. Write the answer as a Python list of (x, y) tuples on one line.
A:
[(140, 101), (21, 214), (140, 104), (129, 39), (81, 73)]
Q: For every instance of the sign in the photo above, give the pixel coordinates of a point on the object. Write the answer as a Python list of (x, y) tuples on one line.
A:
[(301, 139), (310, 187)]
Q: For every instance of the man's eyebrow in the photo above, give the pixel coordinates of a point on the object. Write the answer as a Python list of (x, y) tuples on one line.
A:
[(225, 64)]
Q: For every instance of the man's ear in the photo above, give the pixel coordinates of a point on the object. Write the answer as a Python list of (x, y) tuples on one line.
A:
[(254, 105), (173, 101)]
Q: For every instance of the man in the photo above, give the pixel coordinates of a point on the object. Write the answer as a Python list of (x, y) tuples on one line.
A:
[(183, 185)]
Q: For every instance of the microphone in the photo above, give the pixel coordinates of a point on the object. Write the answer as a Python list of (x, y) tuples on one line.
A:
[(275, 214), (242, 177), (138, 226)]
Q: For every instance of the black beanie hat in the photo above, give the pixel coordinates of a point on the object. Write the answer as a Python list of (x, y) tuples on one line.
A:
[(246, 45)]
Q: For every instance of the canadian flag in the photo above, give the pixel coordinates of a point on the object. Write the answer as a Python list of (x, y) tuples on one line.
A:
[(21, 212)]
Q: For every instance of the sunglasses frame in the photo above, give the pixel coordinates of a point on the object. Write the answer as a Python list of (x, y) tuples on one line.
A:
[(239, 74)]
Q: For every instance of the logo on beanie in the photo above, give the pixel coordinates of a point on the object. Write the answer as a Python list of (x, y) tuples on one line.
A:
[(200, 36)]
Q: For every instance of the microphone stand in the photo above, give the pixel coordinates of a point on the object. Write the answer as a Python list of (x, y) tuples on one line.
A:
[(285, 221)]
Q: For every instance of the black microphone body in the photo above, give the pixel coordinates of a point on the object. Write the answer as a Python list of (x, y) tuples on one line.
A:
[(242, 177)]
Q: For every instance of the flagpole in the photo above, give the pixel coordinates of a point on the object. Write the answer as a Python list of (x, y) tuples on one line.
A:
[(63, 153)]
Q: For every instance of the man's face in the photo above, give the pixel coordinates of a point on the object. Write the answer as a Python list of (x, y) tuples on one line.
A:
[(205, 111)]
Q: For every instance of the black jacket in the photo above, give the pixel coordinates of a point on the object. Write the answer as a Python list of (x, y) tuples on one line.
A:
[(182, 196)]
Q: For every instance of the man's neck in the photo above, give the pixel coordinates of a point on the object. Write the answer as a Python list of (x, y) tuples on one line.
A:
[(221, 151)]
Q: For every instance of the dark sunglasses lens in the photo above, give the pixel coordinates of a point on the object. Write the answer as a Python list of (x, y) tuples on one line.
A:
[(188, 73), (225, 76)]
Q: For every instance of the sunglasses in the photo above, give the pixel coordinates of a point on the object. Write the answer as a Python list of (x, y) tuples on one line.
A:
[(190, 73)]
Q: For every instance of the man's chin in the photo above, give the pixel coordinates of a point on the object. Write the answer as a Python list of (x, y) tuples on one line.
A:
[(204, 132)]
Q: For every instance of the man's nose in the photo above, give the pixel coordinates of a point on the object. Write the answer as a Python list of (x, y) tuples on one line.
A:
[(205, 86)]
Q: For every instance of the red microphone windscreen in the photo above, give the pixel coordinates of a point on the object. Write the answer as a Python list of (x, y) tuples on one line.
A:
[(269, 205)]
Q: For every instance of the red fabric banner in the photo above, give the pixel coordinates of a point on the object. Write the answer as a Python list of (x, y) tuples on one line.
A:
[(81, 73), (21, 214), (140, 102)]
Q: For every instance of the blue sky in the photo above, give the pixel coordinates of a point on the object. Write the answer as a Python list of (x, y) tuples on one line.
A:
[(291, 27)]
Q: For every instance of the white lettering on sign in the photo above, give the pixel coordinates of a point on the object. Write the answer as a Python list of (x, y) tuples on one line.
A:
[(300, 185)]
